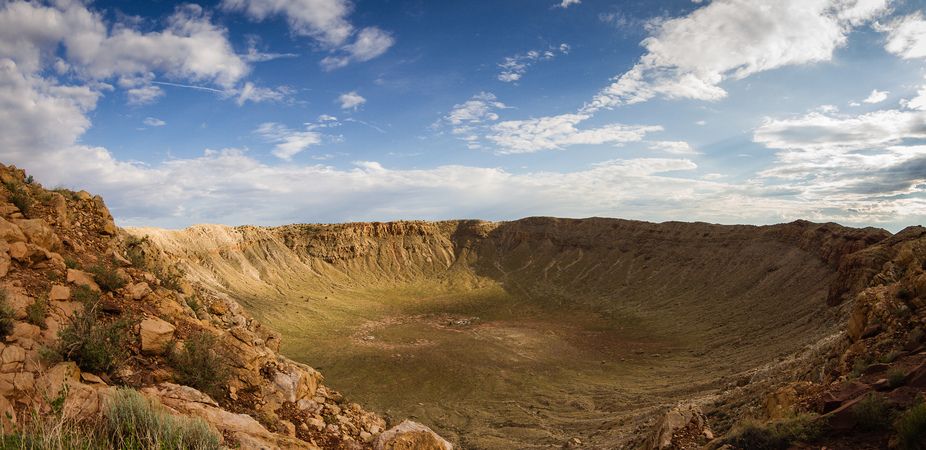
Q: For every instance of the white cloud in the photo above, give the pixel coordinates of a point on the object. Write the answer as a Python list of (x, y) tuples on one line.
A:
[(557, 132), (327, 22), (251, 93), (190, 47), (868, 164), (143, 95), (154, 122), (323, 20), (351, 100), (826, 133), (906, 36), (514, 67), (690, 56), (480, 108), (288, 142), (876, 96), (673, 147), (566, 3)]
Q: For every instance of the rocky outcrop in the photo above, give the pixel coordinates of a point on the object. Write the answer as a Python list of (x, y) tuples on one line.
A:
[(62, 246)]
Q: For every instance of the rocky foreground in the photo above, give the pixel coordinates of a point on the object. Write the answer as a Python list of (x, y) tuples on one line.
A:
[(68, 275)]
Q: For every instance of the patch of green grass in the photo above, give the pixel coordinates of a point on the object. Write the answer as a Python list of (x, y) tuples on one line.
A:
[(872, 413), (910, 427), (7, 315), (199, 363), (36, 312), (107, 277), (131, 421), (776, 435)]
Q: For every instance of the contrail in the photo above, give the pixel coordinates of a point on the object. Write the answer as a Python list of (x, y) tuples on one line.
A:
[(188, 86)]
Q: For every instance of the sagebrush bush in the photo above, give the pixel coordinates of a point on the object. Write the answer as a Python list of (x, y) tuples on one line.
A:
[(132, 421), (36, 312), (911, 427), (107, 278), (777, 435), (199, 363), (97, 345), (872, 413)]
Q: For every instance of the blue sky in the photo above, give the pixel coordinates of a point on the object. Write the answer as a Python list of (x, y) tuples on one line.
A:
[(277, 111)]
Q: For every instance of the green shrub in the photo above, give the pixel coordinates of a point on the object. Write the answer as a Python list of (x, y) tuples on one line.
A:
[(871, 413), (777, 435), (107, 277), (131, 421), (30, 179), (199, 363), (911, 428), (96, 345), (21, 199), (85, 295), (71, 263), (36, 312), (7, 316)]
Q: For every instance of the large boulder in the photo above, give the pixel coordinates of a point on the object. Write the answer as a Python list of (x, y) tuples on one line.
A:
[(81, 278), (138, 290), (156, 335), (40, 233), (9, 232), (410, 435)]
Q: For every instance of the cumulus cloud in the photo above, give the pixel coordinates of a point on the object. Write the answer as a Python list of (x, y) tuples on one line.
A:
[(351, 100), (690, 56), (190, 47), (514, 67), (906, 36), (325, 21), (567, 3), (876, 96)]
